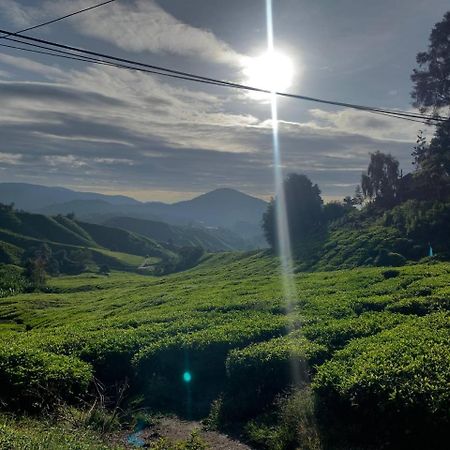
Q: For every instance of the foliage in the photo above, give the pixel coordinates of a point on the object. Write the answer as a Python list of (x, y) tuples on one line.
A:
[(33, 378), (71, 247), (186, 258), (335, 210), (431, 78), (380, 183), (303, 210), (425, 222), (223, 320), (396, 381), (293, 424), (33, 434), (12, 281), (260, 371)]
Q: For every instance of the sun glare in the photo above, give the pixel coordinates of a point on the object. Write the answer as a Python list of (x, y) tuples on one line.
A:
[(272, 71)]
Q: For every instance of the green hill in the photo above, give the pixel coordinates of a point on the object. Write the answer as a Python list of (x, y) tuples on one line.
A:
[(369, 238), (21, 231), (211, 239)]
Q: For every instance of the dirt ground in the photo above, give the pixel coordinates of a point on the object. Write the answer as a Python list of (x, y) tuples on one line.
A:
[(175, 430)]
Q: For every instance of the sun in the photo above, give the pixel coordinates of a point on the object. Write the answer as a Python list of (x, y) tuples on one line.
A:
[(272, 71)]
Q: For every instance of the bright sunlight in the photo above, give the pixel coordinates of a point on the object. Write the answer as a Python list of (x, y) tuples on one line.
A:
[(273, 71)]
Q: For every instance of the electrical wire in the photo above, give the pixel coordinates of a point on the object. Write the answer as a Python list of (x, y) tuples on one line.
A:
[(159, 70), (49, 22)]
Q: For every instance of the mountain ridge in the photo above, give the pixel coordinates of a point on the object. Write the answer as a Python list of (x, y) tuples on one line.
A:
[(221, 208)]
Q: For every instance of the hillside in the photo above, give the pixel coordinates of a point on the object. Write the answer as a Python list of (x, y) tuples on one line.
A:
[(211, 239), (222, 208), (353, 335), (21, 231)]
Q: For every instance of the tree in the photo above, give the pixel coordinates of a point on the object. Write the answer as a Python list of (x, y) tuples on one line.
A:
[(432, 92), (432, 78), (303, 209), (432, 163), (381, 181), (335, 210), (34, 271), (358, 198)]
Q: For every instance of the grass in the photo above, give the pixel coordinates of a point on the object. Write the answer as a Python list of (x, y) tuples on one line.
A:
[(225, 322)]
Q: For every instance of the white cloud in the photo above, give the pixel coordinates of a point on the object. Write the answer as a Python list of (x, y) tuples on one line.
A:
[(20, 15), (10, 158), (143, 25), (30, 65), (367, 124)]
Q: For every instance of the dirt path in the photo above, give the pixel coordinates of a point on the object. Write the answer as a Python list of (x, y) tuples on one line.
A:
[(175, 429)]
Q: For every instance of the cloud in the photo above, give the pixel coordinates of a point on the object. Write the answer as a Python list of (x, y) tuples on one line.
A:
[(368, 124), (193, 147), (30, 65), (137, 26), (112, 129), (20, 15), (10, 158)]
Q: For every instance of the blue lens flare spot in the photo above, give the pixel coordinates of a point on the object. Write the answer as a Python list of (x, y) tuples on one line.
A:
[(187, 377)]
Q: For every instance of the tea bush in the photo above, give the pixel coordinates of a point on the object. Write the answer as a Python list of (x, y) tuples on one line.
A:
[(396, 381)]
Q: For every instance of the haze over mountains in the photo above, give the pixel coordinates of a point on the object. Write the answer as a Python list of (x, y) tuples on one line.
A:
[(221, 219)]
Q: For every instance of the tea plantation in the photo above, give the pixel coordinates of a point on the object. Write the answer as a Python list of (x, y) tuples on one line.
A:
[(361, 361)]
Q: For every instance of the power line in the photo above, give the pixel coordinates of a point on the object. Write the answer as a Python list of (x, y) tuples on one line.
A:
[(201, 79), (49, 22), (70, 56)]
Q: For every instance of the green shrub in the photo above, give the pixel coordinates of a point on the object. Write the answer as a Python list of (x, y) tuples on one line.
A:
[(336, 334), (394, 384), (160, 366), (292, 425), (12, 281), (256, 374), (32, 378)]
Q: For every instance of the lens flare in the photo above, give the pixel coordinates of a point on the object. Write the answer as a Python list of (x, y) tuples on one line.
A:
[(187, 377), (282, 227)]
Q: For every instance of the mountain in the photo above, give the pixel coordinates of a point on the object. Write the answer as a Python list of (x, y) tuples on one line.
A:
[(211, 239), (33, 197), (222, 208), (229, 219)]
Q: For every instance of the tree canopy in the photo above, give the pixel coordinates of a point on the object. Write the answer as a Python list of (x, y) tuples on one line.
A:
[(432, 78), (381, 181), (303, 209)]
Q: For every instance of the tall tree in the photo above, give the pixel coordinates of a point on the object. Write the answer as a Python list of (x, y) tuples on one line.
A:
[(381, 181), (432, 92), (303, 209), (432, 163), (432, 78)]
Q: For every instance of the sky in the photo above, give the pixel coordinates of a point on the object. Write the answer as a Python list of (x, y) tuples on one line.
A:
[(103, 129)]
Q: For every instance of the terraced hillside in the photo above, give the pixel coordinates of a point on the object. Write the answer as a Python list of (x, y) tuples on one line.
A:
[(120, 249), (370, 349)]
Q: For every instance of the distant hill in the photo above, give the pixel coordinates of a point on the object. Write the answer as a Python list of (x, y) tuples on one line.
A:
[(33, 197), (212, 240), (221, 208)]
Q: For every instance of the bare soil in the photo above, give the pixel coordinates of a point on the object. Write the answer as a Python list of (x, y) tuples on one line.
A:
[(175, 429)]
